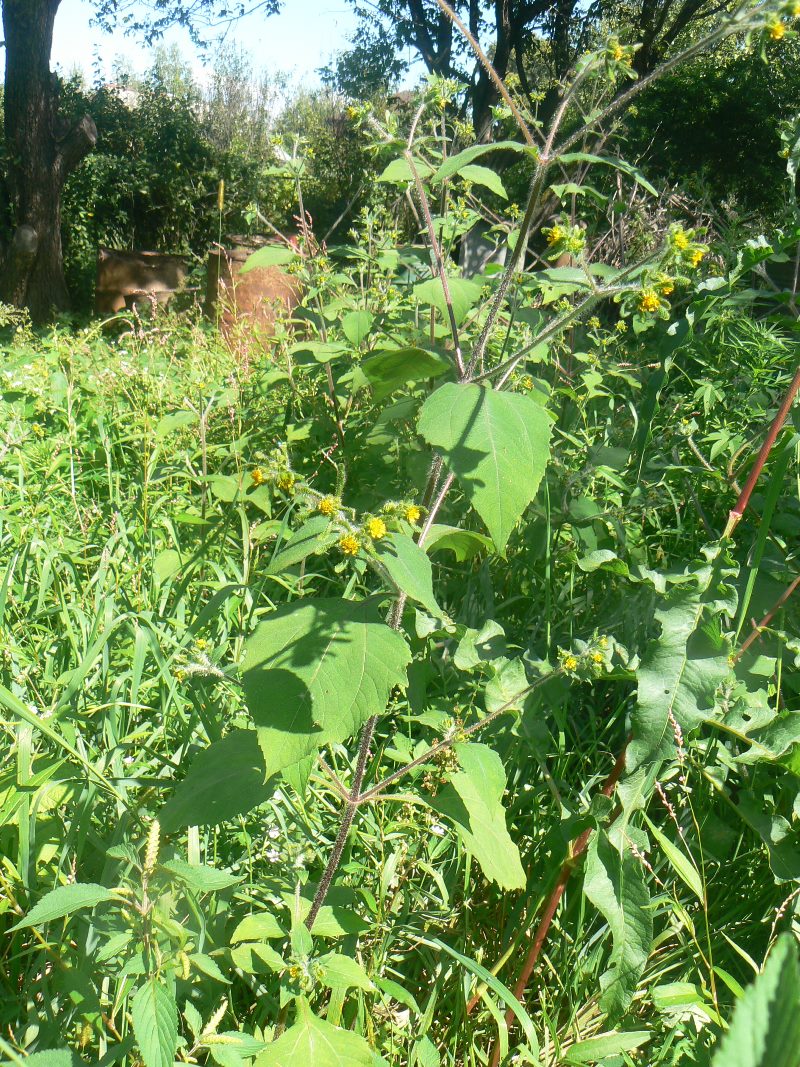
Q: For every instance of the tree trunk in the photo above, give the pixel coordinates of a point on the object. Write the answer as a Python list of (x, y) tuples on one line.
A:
[(41, 154)]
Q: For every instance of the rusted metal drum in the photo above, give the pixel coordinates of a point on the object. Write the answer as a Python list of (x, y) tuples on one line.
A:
[(137, 279), (250, 303)]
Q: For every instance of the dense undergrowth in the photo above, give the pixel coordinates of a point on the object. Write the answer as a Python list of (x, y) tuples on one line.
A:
[(220, 564)]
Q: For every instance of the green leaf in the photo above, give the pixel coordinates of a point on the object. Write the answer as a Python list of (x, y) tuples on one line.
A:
[(594, 1049), (52, 1058), (614, 882), (464, 544), (166, 564), (610, 161), (257, 958), (268, 256), (315, 1043), (209, 966), (315, 535), (472, 802), (398, 172), (260, 926), (343, 971), (198, 877), (356, 326), (497, 444), (155, 1024), (387, 371), (682, 864), (678, 678), (464, 295), (486, 177), (455, 164), (409, 568), (178, 420), (227, 779), (480, 646), (765, 1030), (64, 901), (314, 671)]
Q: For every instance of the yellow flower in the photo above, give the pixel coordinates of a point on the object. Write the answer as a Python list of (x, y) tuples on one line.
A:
[(376, 528), (593, 323), (649, 301), (777, 30), (329, 505), (555, 234), (413, 514), (796, 11), (570, 663), (349, 545), (680, 239), (696, 257), (526, 382), (621, 327), (257, 476), (597, 657), (286, 481), (617, 52), (666, 287)]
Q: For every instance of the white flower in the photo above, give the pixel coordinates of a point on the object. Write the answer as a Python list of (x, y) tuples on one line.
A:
[(273, 855), (438, 829), (274, 832)]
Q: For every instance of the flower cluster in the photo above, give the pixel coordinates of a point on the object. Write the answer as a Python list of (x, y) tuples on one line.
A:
[(275, 470), (588, 659), (683, 249), (564, 237)]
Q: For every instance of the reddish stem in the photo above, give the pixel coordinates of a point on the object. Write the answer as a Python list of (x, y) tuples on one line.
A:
[(777, 424), (552, 902), (755, 633)]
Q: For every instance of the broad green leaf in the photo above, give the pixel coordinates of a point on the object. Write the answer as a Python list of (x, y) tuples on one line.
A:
[(178, 420), (64, 901), (610, 161), (765, 1030), (486, 177), (341, 970), (779, 836), (473, 802), (464, 544), (269, 256), (464, 295), (155, 1024), (594, 1049), (227, 779), (312, 1042), (315, 535), (398, 172), (497, 444), (52, 1058), (166, 564), (504, 688), (614, 882), (455, 164), (387, 371), (261, 926), (356, 326), (209, 966), (321, 351), (257, 958), (409, 568), (480, 646), (682, 864), (678, 678), (314, 671), (200, 878)]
